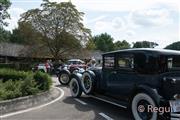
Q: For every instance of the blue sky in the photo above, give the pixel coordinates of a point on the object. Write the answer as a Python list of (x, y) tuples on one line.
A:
[(152, 20)]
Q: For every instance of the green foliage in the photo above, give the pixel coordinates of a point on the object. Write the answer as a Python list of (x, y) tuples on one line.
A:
[(17, 66), (60, 25), (7, 65), (29, 86), (145, 44), (15, 84), (10, 89), (121, 45), (173, 46), (4, 5), (4, 35), (104, 42), (17, 37), (90, 45), (6, 74), (43, 80), (25, 34)]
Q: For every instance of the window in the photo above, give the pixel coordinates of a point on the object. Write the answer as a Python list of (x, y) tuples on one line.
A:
[(108, 62), (174, 62), (125, 62)]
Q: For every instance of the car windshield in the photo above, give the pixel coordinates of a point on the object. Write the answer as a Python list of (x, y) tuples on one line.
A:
[(73, 62), (173, 62), (41, 64)]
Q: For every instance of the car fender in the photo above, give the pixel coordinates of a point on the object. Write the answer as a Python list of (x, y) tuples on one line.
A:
[(65, 70), (91, 72), (146, 89), (76, 75)]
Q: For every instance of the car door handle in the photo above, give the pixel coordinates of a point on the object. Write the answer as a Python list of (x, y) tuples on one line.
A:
[(114, 72)]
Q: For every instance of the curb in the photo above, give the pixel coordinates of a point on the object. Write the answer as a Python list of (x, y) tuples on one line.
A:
[(28, 101)]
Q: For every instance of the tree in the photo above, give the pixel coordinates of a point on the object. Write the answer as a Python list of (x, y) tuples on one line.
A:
[(4, 35), (60, 25), (174, 46), (25, 34), (144, 44), (90, 45), (121, 45), (4, 5), (104, 42)]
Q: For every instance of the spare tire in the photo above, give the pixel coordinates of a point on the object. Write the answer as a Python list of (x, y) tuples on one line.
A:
[(64, 77), (88, 82)]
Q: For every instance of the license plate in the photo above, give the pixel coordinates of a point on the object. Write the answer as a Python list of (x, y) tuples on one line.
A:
[(175, 105)]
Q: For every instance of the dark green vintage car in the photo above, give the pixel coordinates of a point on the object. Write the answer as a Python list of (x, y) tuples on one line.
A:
[(145, 81)]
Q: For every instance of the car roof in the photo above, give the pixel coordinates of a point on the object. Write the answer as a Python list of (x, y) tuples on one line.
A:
[(150, 50), (75, 60)]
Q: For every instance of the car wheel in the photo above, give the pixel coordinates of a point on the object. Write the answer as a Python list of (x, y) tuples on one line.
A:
[(75, 87), (139, 107), (64, 78), (87, 83)]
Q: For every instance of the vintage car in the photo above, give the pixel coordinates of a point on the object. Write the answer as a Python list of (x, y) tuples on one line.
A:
[(64, 72), (145, 81)]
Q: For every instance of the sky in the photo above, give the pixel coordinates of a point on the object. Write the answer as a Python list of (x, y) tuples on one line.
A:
[(132, 20)]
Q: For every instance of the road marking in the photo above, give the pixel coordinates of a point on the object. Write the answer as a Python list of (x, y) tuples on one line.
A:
[(113, 103), (80, 101), (34, 108), (105, 116)]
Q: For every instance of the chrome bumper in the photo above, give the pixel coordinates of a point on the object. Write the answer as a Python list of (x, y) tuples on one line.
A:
[(175, 116)]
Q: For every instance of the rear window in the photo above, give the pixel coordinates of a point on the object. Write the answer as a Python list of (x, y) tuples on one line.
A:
[(174, 62)]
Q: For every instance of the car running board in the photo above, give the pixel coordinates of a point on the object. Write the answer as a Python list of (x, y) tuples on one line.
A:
[(109, 100)]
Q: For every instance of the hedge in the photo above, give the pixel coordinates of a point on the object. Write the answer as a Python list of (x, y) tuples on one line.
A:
[(15, 84), (17, 66)]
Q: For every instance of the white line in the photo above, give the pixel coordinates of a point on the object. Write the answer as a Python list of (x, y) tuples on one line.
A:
[(80, 101), (108, 101), (34, 108), (105, 116)]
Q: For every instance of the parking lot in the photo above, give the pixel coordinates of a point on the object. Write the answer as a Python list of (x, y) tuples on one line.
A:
[(68, 108)]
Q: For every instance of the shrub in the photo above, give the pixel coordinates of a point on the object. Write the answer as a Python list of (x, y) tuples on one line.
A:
[(10, 89), (29, 86), (17, 66), (7, 74), (43, 80), (7, 65), (18, 83)]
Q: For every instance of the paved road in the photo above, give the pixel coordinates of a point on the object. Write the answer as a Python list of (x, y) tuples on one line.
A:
[(68, 108)]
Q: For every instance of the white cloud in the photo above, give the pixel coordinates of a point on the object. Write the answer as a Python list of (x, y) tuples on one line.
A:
[(15, 15), (125, 19), (121, 5), (152, 17), (116, 24)]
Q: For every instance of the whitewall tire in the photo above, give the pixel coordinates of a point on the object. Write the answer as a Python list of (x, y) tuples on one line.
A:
[(64, 78), (139, 107), (75, 87), (87, 83)]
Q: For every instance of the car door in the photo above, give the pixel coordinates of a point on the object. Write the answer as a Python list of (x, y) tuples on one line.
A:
[(123, 76), (108, 71)]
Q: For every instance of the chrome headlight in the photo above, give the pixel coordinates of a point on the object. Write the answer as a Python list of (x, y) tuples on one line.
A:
[(176, 96)]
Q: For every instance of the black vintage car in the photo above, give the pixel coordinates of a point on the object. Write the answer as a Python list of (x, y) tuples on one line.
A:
[(145, 81)]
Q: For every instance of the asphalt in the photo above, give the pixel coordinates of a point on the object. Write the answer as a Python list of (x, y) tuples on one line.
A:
[(68, 108)]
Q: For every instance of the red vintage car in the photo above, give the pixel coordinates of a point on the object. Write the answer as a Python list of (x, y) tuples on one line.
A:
[(66, 70)]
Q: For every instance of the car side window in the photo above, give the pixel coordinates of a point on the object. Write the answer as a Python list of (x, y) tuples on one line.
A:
[(109, 62), (126, 62)]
